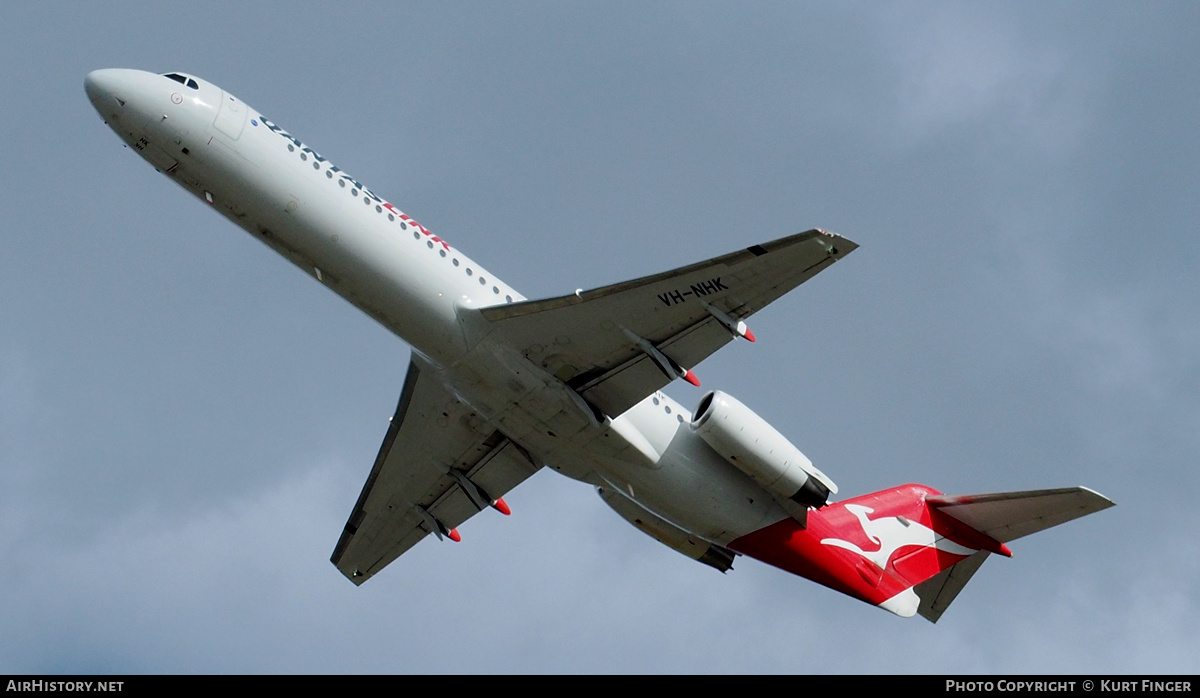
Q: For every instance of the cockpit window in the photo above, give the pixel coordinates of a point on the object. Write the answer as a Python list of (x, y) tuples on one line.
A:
[(182, 80)]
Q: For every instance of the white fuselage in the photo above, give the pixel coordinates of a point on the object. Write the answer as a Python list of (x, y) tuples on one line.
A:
[(426, 292)]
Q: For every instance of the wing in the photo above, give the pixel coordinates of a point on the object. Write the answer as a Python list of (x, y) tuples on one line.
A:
[(439, 464), (617, 344)]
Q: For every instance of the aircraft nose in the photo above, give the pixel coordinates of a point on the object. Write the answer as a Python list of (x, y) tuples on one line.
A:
[(101, 84), (105, 90)]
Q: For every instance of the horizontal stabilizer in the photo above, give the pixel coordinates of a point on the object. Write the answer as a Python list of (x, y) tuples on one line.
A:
[(938, 592), (1006, 516)]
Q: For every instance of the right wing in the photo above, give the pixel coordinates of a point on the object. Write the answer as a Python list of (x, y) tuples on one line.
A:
[(439, 464), (617, 344)]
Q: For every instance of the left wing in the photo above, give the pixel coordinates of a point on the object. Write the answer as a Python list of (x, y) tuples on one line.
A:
[(617, 344), (439, 464)]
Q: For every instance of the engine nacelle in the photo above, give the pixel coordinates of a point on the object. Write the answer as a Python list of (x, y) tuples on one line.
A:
[(746, 440)]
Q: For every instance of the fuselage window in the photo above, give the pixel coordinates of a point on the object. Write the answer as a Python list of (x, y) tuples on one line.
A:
[(342, 183), (482, 281), (455, 261), (329, 175), (316, 165), (291, 148), (303, 156), (378, 209), (353, 192), (496, 290), (416, 235), (366, 201), (429, 244), (403, 226), (442, 252), (469, 272), (508, 299), (391, 218)]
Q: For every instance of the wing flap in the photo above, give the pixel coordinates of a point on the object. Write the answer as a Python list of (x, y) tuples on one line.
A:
[(697, 343)]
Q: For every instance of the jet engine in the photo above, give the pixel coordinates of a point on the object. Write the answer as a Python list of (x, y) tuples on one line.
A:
[(744, 439)]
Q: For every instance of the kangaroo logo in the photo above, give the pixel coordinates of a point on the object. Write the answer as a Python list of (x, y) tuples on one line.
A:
[(891, 533)]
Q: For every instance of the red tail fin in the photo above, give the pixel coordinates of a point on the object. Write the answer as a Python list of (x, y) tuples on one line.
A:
[(909, 549)]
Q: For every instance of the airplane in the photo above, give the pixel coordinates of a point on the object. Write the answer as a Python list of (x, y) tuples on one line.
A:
[(500, 386)]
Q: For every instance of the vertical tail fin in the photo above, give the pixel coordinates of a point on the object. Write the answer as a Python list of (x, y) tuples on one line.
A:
[(912, 557)]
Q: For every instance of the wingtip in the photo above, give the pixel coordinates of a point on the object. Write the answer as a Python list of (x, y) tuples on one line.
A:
[(691, 378)]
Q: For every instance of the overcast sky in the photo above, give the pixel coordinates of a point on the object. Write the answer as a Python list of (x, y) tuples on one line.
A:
[(186, 419)]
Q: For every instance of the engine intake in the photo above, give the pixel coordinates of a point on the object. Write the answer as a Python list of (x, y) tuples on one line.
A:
[(744, 439)]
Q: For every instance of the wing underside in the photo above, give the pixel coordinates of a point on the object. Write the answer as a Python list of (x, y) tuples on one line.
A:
[(617, 344), (440, 464)]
